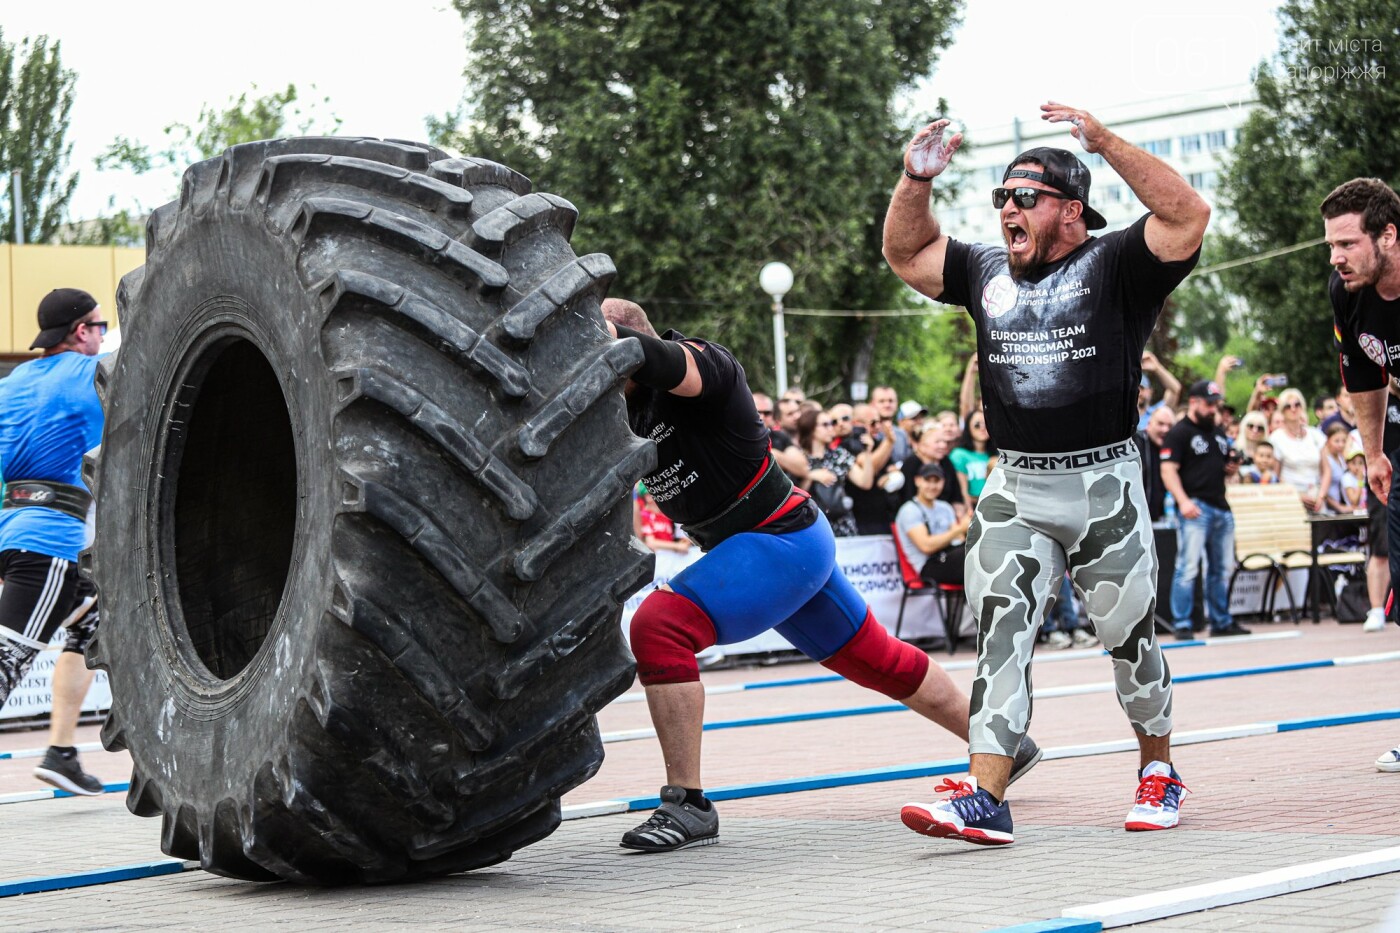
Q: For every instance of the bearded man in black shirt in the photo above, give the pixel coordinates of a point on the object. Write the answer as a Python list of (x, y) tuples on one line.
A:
[(1361, 219), (1062, 319)]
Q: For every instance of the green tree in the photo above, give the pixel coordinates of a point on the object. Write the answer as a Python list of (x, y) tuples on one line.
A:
[(701, 140), (243, 119), (36, 95), (1327, 112)]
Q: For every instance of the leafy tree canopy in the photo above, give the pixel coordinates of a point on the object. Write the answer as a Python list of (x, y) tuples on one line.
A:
[(701, 140), (1327, 113), (36, 95)]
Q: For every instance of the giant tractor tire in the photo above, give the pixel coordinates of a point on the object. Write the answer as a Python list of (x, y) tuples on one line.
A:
[(363, 531)]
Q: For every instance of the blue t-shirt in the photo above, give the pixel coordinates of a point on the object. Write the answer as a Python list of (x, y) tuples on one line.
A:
[(49, 417)]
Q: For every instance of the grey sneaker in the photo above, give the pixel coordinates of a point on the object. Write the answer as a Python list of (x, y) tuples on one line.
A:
[(1027, 754), (65, 773), (675, 825)]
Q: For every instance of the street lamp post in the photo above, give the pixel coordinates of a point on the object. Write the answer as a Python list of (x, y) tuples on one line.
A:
[(776, 280)]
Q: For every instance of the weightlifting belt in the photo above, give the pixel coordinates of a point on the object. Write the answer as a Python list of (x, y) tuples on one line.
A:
[(761, 501), (30, 493)]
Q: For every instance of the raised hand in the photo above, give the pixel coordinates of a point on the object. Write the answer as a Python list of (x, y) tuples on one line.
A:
[(928, 154), (1088, 130)]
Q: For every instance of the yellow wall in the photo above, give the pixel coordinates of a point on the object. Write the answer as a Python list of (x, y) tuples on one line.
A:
[(28, 273)]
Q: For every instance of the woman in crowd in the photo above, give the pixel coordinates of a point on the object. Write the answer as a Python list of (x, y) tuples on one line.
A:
[(1299, 449), (1254, 428), (829, 468), (1334, 469), (973, 457)]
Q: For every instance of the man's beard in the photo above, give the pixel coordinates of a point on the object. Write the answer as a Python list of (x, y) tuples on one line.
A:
[(1024, 265), (1379, 268), (1205, 419)]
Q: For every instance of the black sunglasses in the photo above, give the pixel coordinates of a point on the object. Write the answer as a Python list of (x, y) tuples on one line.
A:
[(1025, 198), (100, 325)]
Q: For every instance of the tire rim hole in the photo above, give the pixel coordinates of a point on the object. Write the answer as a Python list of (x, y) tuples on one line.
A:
[(232, 507)]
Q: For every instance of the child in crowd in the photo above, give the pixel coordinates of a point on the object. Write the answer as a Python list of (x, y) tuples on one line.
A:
[(1354, 482), (1264, 469)]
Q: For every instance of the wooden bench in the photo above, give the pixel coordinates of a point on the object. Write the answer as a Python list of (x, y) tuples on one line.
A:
[(1272, 534)]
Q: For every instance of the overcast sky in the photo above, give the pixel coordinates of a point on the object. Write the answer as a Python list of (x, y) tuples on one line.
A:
[(143, 64)]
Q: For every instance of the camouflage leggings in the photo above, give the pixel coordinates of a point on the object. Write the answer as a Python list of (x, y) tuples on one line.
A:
[(1030, 526)]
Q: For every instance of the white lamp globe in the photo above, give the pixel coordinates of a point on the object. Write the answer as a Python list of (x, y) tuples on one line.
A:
[(776, 279)]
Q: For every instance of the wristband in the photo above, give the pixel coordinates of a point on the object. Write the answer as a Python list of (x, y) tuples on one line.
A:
[(911, 175)]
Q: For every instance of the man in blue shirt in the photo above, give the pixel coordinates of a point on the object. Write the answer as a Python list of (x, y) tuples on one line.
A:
[(49, 417)]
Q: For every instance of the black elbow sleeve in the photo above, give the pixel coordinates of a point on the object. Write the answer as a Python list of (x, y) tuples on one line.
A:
[(663, 366)]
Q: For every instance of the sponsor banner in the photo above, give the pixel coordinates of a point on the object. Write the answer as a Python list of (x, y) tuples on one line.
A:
[(34, 697), (869, 563)]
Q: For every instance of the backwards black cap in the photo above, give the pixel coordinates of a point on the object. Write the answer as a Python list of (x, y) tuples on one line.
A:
[(1064, 172)]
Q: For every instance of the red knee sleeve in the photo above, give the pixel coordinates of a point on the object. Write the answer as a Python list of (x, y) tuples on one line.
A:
[(874, 658), (667, 632)]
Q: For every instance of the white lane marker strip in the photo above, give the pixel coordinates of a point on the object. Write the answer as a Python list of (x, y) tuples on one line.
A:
[(1144, 908)]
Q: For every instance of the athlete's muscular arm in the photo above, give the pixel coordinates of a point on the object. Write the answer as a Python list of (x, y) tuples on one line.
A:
[(1370, 423), (668, 365), (1179, 214), (1171, 479), (915, 244)]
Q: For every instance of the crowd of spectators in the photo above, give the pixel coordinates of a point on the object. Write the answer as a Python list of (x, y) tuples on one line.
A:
[(891, 467)]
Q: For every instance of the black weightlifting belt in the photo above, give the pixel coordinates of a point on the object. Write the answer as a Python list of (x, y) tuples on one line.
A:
[(45, 494), (762, 500)]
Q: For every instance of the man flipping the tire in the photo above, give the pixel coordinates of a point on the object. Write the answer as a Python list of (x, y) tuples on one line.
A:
[(770, 563), (1062, 319), (49, 417)]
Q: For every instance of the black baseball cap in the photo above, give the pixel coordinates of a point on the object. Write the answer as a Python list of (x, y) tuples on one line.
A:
[(1206, 389), (58, 312), (930, 470), (1062, 171)]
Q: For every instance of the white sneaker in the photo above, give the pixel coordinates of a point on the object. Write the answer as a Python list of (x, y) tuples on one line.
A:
[(1375, 621), (1158, 801), (1390, 761), (1059, 640), (1083, 638)]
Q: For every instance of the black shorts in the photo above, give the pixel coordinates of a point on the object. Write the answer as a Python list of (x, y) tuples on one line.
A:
[(42, 594), (1377, 534)]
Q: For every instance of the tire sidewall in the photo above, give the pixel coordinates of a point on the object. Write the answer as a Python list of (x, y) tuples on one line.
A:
[(246, 287)]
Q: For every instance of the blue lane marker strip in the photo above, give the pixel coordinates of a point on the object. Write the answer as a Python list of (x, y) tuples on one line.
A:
[(949, 766), (83, 879), (1250, 671), (897, 707), (803, 717), (1058, 925), (834, 678), (1322, 722)]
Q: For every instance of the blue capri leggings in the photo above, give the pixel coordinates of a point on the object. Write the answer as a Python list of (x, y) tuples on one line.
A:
[(754, 582)]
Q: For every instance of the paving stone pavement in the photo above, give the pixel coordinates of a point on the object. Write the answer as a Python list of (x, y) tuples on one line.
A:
[(839, 859)]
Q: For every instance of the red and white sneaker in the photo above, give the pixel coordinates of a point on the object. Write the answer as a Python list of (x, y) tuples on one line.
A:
[(1159, 796), (967, 813)]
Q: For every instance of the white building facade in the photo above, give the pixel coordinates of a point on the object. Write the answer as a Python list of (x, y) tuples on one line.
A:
[(1191, 133)]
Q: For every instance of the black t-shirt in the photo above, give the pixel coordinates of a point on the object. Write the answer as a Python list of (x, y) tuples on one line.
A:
[(1060, 354), (709, 448), (1367, 331), (1200, 454)]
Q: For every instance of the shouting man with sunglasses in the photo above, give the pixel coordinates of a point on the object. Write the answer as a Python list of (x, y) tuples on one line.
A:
[(49, 417), (1062, 319)]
